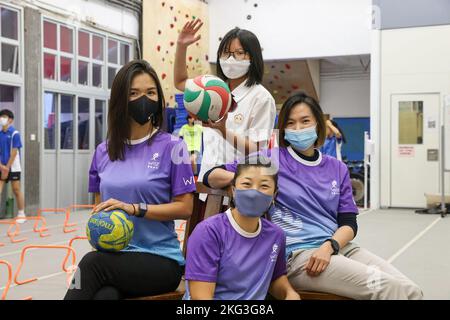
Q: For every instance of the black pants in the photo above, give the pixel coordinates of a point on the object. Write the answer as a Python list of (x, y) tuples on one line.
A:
[(114, 276)]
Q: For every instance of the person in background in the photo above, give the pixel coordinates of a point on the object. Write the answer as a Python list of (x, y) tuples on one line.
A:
[(11, 171), (334, 139), (192, 135)]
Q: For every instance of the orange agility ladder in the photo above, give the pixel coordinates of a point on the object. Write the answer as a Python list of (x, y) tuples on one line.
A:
[(47, 210), (8, 284), (22, 257), (71, 246), (12, 235), (68, 213), (181, 230)]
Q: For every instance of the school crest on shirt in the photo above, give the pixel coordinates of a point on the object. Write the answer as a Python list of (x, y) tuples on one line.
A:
[(274, 254), (335, 191), (239, 118), (154, 163)]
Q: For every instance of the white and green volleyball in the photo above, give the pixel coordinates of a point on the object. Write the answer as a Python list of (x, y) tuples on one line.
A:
[(207, 98)]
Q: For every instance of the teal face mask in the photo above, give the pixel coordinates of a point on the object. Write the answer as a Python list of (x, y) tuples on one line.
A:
[(303, 139)]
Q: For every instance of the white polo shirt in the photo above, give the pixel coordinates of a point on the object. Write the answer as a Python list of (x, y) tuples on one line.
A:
[(254, 117)]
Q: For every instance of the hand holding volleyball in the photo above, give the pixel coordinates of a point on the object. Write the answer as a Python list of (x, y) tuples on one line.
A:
[(207, 98)]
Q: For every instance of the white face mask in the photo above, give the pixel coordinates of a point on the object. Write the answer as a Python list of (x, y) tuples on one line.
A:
[(3, 121), (234, 69)]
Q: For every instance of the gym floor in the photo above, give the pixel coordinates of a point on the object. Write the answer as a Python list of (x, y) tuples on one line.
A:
[(415, 244)]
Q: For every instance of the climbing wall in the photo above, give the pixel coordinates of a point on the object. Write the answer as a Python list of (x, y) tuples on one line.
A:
[(283, 78), (162, 22)]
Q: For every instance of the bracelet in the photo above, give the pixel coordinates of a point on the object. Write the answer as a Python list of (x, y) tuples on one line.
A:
[(134, 210)]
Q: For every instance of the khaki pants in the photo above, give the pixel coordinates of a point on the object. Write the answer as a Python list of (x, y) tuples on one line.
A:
[(355, 273)]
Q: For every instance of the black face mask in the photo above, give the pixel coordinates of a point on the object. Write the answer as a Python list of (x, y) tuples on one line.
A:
[(143, 110)]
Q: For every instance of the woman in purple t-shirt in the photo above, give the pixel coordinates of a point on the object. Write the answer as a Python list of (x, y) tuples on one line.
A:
[(238, 255), (146, 173), (316, 210)]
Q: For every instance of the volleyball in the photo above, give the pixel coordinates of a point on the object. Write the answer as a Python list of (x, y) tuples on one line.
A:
[(207, 97), (109, 231)]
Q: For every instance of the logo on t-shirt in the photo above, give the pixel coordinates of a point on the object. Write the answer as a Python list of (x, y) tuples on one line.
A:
[(274, 254), (239, 118), (154, 164), (335, 191), (189, 181)]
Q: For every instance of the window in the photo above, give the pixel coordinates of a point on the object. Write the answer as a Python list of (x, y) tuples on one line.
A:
[(49, 66), (83, 123), (93, 62), (83, 72), (124, 54), (9, 40), (97, 75), (10, 24), (58, 52), (117, 52), (66, 69), (10, 58), (113, 52), (411, 122), (50, 104), (100, 118), (66, 39), (84, 44), (66, 122), (50, 35), (97, 48), (111, 76)]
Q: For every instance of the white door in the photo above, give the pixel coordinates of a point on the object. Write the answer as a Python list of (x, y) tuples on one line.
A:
[(414, 149)]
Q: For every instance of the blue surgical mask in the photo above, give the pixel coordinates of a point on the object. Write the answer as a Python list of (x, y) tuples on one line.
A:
[(303, 139), (252, 203)]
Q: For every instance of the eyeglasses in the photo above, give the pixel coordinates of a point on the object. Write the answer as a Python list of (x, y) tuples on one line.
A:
[(238, 55)]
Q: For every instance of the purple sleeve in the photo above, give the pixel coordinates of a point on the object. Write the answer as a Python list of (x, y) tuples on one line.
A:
[(94, 179), (203, 254), (232, 167), (346, 202), (280, 266), (182, 177)]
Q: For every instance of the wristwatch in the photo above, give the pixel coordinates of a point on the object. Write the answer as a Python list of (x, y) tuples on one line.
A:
[(142, 210), (335, 246)]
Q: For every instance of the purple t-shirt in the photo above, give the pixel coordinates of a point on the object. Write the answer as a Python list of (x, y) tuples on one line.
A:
[(310, 196), (152, 173), (242, 265)]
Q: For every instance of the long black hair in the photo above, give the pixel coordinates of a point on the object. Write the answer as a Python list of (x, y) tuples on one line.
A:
[(251, 45), (118, 129)]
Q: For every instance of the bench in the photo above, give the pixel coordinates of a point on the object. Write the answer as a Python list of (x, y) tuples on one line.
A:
[(203, 210)]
